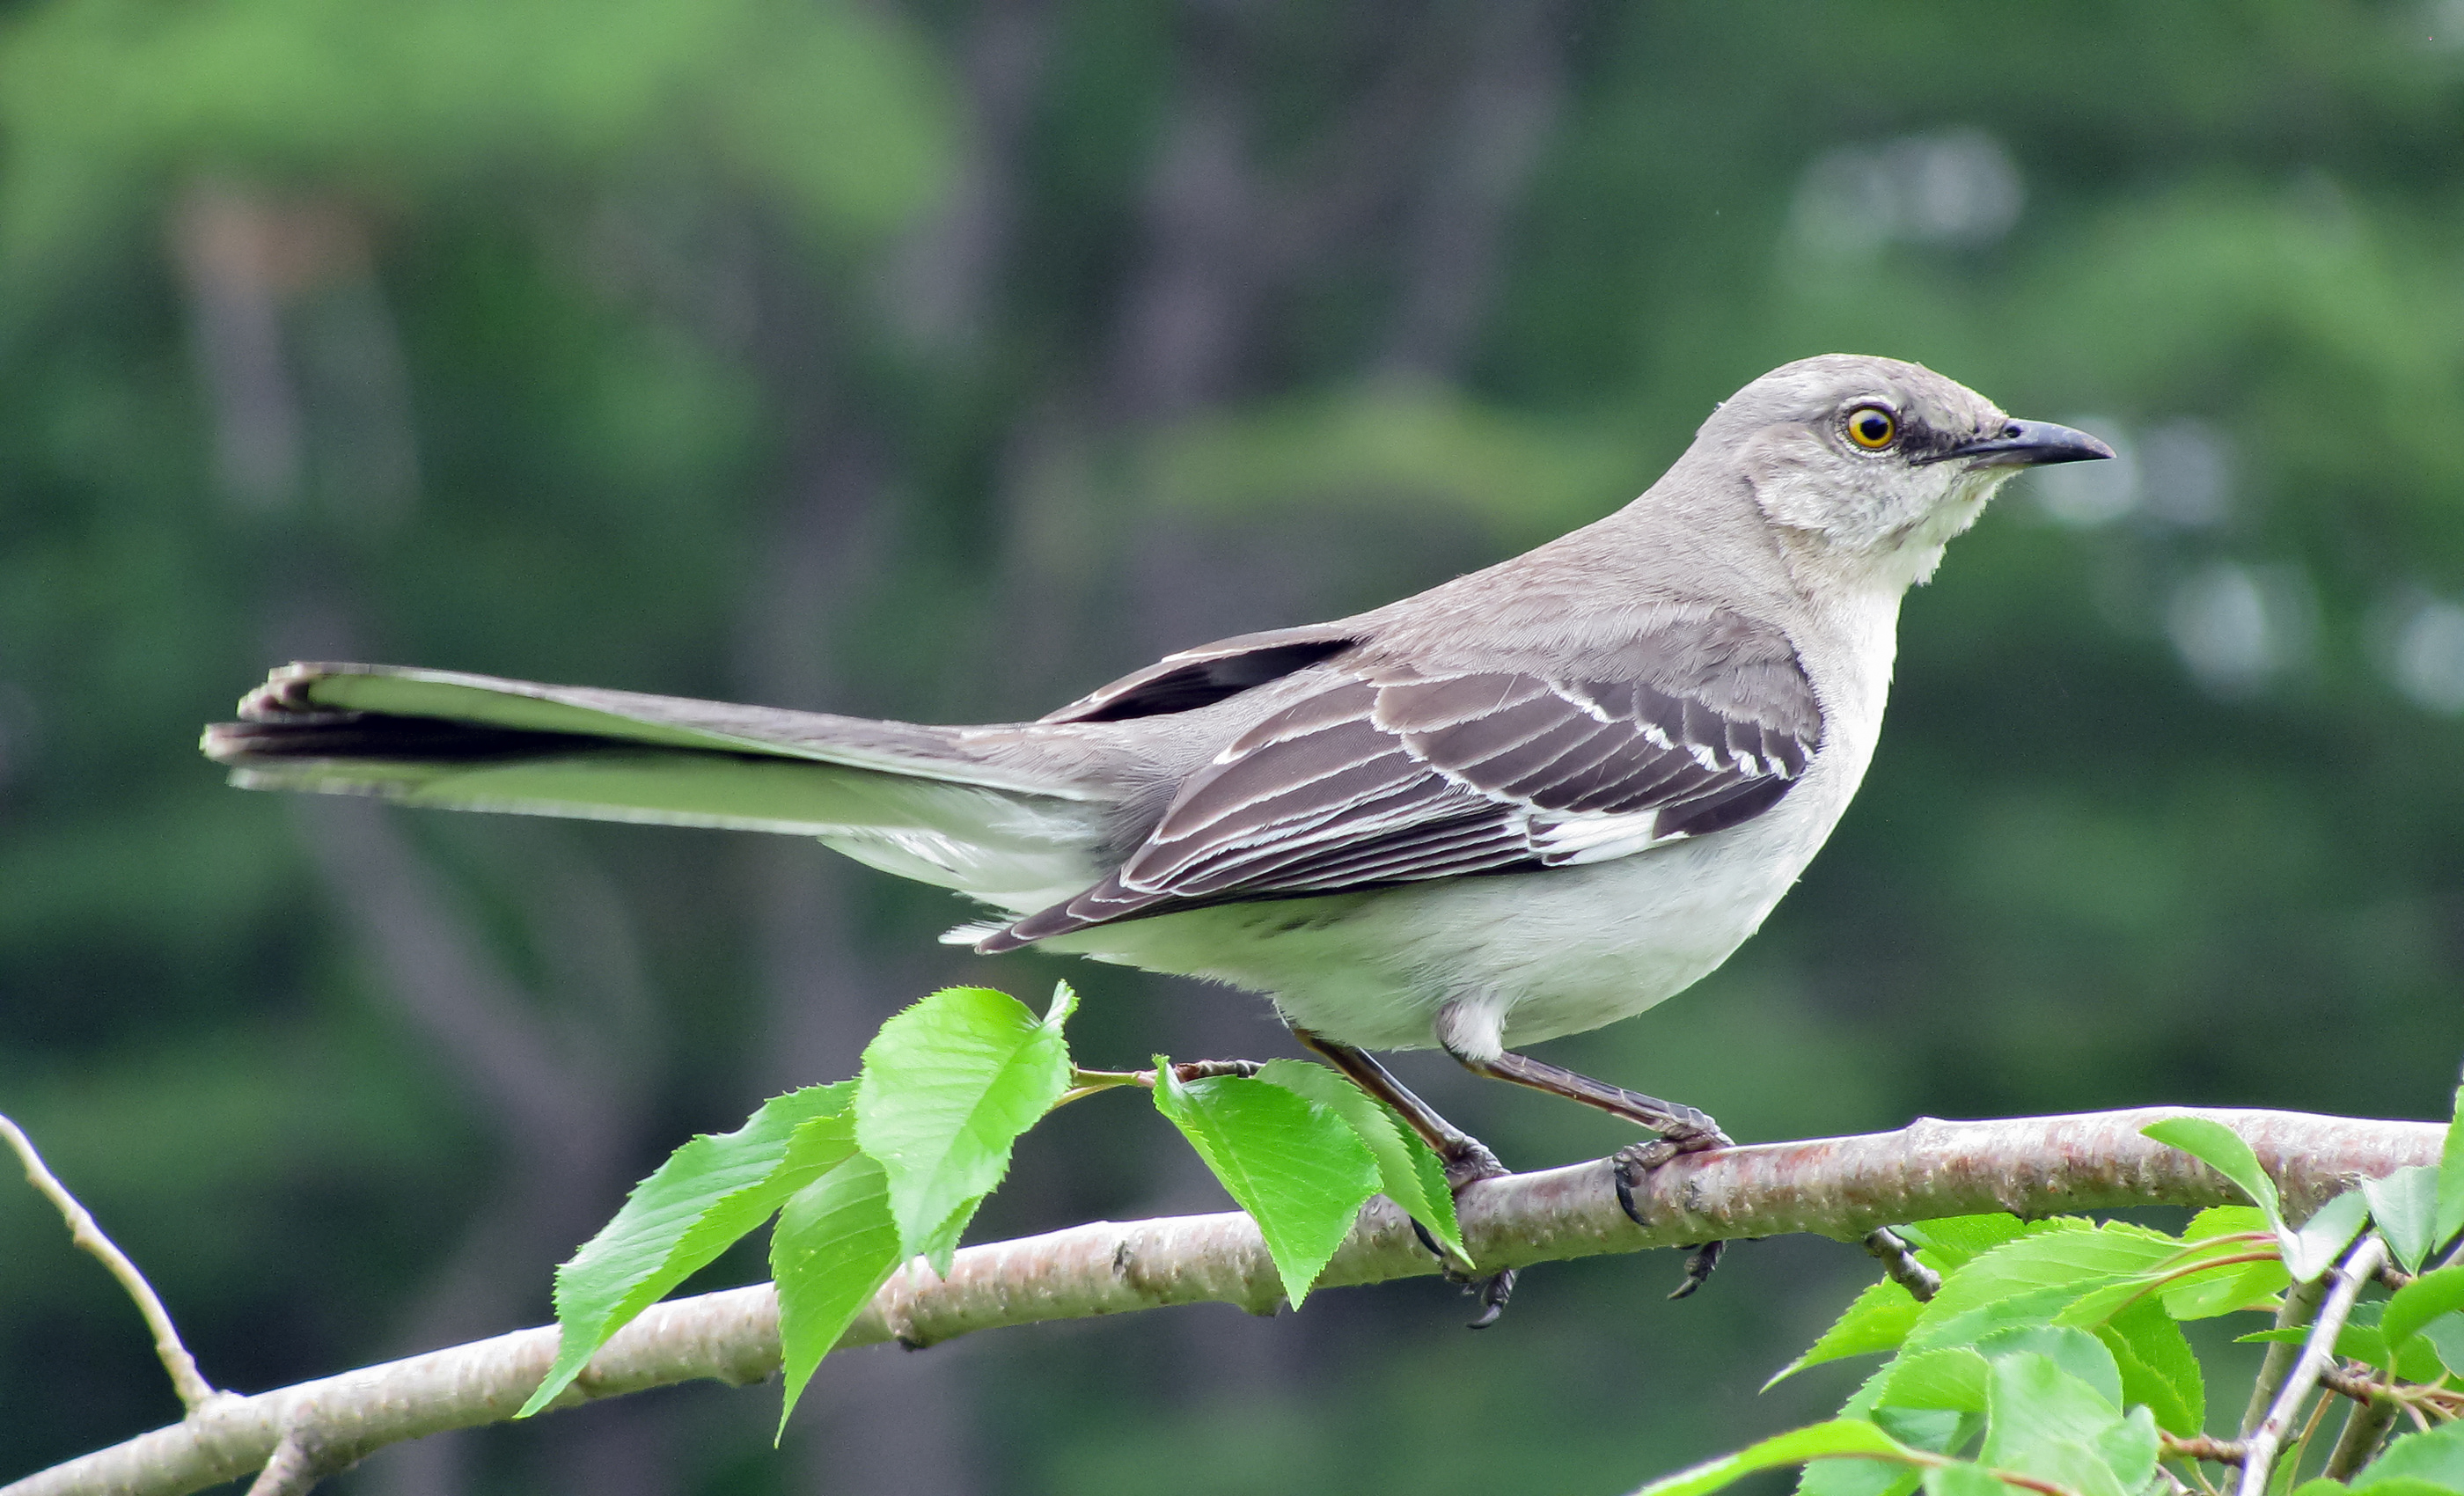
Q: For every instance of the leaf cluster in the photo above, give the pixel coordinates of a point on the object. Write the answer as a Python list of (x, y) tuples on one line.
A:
[(863, 1176), (2051, 1357)]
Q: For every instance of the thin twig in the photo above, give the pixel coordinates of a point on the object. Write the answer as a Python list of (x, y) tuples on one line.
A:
[(1901, 1263), (2299, 1307), (2203, 1446), (195, 1392), (2317, 1352), (2365, 1429)]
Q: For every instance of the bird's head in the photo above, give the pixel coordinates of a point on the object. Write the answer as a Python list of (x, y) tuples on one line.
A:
[(1875, 464)]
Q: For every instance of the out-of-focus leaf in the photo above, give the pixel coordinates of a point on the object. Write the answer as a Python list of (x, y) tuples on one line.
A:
[(835, 1244), (2075, 1351), (1853, 1437), (1952, 1242), (2044, 1421), (2324, 1236), (1297, 1167), (1952, 1379), (2227, 1220), (2434, 1455), (1962, 1480), (1877, 1319), (2405, 1206), (2422, 1300), (947, 1088), (1409, 1172), (2445, 1335), (2159, 1370), (2222, 1149), (710, 1193), (2451, 1178)]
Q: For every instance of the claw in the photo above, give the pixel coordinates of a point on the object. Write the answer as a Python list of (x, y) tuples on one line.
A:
[(1698, 1268), (1494, 1290)]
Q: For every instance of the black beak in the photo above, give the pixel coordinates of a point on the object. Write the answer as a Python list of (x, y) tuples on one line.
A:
[(2027, 443)]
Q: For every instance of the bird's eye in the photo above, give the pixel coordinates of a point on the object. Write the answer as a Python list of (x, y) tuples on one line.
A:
[(1872, 428)]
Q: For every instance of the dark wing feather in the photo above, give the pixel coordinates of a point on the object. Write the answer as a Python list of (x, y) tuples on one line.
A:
[(1397, 775)]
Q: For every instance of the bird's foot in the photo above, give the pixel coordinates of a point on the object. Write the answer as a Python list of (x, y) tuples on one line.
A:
[(1468, 1160), (1688, 1131)]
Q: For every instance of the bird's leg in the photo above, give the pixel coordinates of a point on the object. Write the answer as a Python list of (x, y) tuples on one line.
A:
[(1681, 1129), (1466, 1158)]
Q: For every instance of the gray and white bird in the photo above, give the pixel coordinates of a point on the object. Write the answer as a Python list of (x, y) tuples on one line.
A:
[(1533, 801)]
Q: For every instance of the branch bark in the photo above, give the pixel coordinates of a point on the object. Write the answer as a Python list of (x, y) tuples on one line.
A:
[(1843, 1187)]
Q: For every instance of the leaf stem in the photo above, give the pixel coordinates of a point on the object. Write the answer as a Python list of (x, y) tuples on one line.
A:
[(195, 1392), (2360, 1266)]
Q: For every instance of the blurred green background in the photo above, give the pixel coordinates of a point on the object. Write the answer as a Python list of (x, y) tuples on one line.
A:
[(943, 360)]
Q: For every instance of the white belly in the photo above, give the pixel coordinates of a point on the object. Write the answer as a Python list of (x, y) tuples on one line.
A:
[(1523, 956)]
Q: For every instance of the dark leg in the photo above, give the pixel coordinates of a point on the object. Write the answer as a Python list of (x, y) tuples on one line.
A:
[(1466, 1158), (1681, 1129)]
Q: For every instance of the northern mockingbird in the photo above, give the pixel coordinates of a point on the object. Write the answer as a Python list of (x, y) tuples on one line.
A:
[(1533, 801)]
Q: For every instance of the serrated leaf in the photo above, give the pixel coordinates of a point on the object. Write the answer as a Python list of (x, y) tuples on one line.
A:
[(2043, 1421), (2451, 1176), (2184, 1270), (2159, 1370), (1409, 1172), (1952, 1242), (2036, 1307), (2405, 1208), (2073, 1262), (2435, 1456), (2206, 1295), (1953, 1378), (2222, 1149), (2227, 1220), (1852, 1438), (947, 1088), (2422, 1300), (1297, 1167), (1057, 1013), (2324, 1236), (835, 1244), (1877, 1319), (710, 1193)]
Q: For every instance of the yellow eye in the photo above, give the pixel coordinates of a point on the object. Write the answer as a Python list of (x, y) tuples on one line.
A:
[(1872, 428)]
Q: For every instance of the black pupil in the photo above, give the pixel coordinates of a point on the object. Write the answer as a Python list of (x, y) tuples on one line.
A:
[(1872, 427)]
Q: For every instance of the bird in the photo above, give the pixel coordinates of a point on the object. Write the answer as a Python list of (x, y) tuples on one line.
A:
[(1531, 801)]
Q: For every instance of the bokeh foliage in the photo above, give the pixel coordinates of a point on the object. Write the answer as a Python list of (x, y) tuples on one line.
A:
[(945, 360)]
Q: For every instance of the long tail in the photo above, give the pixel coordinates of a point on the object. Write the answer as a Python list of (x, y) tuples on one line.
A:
[(993, 812)]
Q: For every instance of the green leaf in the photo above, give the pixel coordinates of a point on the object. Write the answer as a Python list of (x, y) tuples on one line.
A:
[(2221, 1149), (1297, 1167), (2035, 1307), (1409, 1172), (2409, 1486), (2324, 1236), (2184, 1270), (2159, 1370), (2227, 1220), (2205, 1295), (1952, 1242), (2435, 1456), (947, 1088), (2404, 1207), (2041, 1420), (1962, 1480), (2065, 1264), (1879, 1319), (835, 1244), (2451, 1178), (2075, 1351), (1953, 1378), (1838, 1439), (2445, 1335), (710, 1193), (2422, 1300)]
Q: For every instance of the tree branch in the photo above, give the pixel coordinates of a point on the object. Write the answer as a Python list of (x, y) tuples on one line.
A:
[(1843, 1187)]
